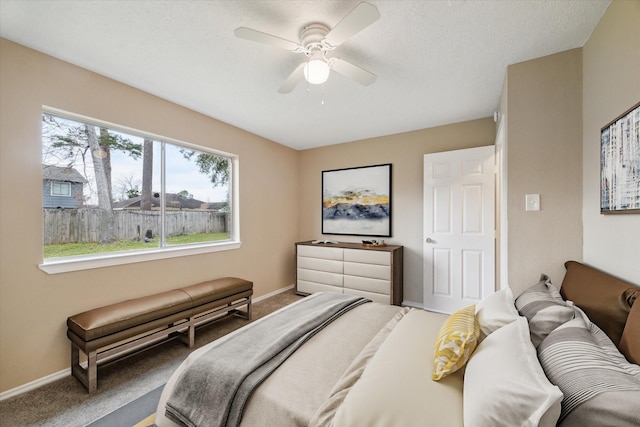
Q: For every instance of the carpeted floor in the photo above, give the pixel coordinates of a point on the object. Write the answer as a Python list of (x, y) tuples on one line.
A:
[(66, 403)]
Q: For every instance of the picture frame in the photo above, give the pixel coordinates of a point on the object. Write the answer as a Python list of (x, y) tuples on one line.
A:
[(357, 201), (620, 164)]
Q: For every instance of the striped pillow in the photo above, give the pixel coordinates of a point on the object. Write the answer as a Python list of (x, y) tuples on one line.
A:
[(457, 338), (544, 308), (583, 362)]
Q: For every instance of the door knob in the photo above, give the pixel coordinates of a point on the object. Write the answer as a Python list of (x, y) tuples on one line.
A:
[(429, 240)]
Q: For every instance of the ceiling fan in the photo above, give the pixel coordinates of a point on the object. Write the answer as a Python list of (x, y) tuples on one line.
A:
[(316, 40)]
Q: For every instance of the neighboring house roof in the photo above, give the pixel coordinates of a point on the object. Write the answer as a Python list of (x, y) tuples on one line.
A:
[(172, 200), (58, 173)]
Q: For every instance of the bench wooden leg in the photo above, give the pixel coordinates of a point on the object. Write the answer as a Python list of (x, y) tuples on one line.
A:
[(92, 371), (88, 377), (244, 314), (188, 336), (192, 334)]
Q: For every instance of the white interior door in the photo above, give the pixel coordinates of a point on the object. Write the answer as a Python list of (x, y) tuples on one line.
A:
[(459, 228)]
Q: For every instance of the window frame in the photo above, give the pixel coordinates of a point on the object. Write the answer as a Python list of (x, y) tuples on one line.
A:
[(58, 183), (86, 262)]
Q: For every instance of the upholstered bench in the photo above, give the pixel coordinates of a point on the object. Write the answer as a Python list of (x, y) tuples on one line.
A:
[(118, 329)]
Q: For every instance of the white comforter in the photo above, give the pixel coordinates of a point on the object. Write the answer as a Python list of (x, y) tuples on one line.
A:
[(395, 386), (372, 366)]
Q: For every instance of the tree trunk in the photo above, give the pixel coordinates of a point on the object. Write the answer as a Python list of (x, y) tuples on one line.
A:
[(104, 146), (147, 175), (100, 166)]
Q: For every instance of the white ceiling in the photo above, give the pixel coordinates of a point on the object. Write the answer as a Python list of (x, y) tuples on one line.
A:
[(437, 62)]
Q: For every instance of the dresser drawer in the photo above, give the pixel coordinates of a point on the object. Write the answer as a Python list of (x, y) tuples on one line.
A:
[(367, 284), (373, 271), (320, 252), (367, 257), (328, 265), (321, 277), (383, 299), (311, 287)]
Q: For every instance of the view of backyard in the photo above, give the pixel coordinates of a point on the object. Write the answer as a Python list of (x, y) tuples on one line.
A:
[(76, 249), (109, 191)]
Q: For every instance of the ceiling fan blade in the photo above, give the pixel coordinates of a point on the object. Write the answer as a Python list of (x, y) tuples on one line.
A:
[(354, 72), (260, 37), (293, 79), (358, 19)]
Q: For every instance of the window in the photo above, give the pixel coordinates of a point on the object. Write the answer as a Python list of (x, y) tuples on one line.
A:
[(61, 189), (137, 194)]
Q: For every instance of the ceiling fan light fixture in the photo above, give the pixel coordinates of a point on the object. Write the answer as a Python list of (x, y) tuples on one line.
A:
[(316, 71), (316, 40)]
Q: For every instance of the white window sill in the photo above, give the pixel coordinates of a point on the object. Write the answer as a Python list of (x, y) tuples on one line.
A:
[(68, 264)]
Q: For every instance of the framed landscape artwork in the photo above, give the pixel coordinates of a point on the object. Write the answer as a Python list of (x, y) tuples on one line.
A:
[(620, 164), (357, 201)]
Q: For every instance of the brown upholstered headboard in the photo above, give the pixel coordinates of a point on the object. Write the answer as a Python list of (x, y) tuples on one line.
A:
[(606, 299)]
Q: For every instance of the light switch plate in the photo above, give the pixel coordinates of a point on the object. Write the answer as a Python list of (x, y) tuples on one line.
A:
[(532, 202)]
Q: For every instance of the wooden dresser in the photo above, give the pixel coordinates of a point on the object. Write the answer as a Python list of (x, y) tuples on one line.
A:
[(350, 268)]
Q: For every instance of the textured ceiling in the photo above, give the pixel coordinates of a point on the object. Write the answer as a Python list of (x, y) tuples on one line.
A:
[(437, 62)]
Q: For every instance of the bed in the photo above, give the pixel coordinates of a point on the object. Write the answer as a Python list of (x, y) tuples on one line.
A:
[(501, 362)]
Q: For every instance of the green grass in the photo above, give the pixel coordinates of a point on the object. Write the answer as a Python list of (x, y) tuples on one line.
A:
[(75, 249)]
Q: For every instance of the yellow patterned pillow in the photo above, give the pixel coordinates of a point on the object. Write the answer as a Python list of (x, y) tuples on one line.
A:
[(457, 338)]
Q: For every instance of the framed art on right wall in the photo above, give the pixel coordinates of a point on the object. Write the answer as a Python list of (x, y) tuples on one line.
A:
[(620, 164)]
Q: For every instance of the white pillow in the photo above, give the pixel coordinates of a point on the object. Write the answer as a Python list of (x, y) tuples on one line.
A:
[(504, 384), (495, 311)]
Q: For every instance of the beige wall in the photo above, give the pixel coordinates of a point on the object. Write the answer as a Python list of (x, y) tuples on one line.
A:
[(544, 156), (34, 305), (405, 152), (611, 85)]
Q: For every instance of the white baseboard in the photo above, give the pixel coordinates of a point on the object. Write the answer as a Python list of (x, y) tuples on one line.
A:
[(412, 304), (35, 384), (276, 292), (66, 372)]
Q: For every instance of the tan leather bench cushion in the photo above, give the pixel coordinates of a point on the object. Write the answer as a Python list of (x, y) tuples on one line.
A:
[(110, 319), (116, 317), (205, 292), (604, 298)]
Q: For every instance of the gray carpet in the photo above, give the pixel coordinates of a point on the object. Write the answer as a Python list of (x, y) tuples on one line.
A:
[(66, 403)]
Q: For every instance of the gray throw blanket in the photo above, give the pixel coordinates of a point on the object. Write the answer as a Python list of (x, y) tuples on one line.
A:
[(214, 389)]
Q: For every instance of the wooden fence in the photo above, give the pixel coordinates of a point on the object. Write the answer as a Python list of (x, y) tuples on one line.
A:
[(83, 225)]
